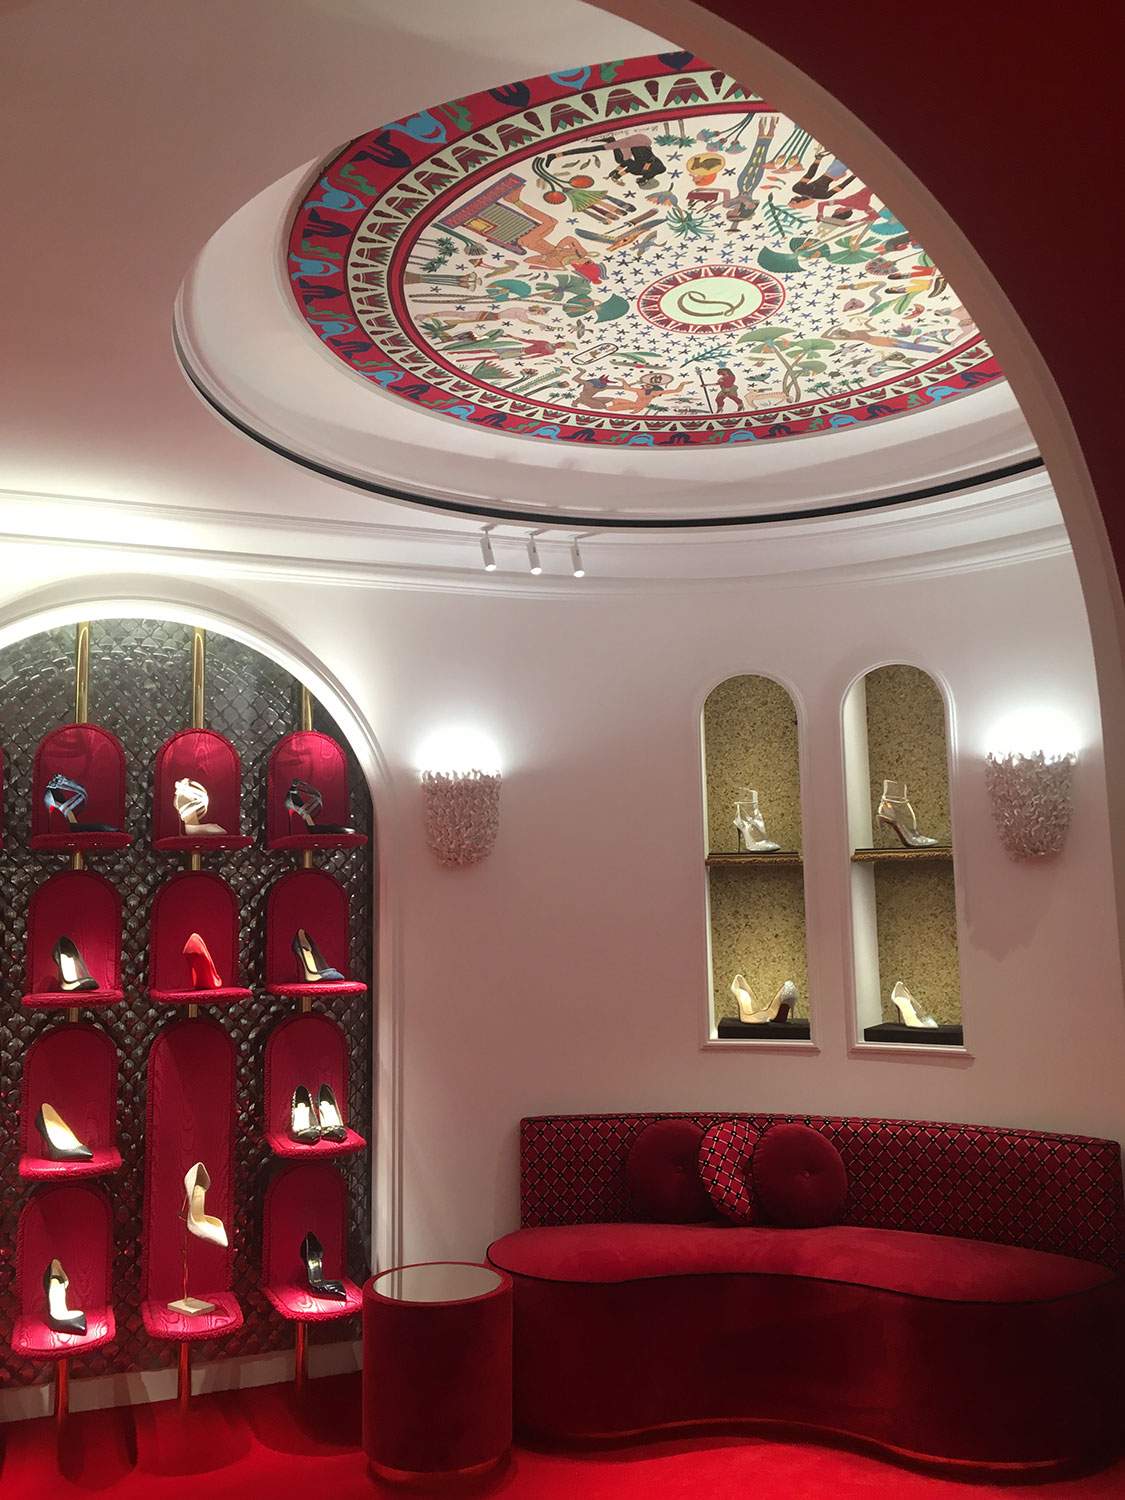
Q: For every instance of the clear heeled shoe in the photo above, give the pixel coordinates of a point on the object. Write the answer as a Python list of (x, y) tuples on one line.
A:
[(303, 800), (751, 824), (60, 1317), (191, 801), (60, 1141), (751, 1014), (909, 1010), (896, 812), (64, 796), (203, 1225)]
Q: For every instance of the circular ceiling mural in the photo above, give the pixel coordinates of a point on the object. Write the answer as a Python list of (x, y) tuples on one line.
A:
[(633, 253)]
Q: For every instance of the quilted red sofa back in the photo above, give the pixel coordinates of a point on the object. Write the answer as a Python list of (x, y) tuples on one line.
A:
[(1061, 1193)]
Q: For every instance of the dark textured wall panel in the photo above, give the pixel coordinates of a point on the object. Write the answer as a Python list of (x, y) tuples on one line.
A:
[(140, 688)]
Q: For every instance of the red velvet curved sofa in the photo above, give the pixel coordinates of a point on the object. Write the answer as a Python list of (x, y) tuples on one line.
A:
[(968, 1312)]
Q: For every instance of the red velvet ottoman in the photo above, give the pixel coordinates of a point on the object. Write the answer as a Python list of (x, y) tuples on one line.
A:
[(437, 1369)]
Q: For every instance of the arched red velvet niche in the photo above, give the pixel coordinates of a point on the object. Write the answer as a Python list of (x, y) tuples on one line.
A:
[(74, 1069), (318, 760), (189, 1118), (70, 1223), (311, 1050), (206, 757), (85, 908), (195, 901), (314, 900), (91, 756), (313, 1197)]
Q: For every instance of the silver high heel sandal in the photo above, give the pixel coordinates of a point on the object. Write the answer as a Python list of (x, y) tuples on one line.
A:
[(751, 825), (896, 812), (910, 1012), (750, 1014)]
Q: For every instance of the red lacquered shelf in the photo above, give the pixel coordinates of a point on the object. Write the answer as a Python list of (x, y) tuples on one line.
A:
[(204, 843), (318, 841), (73, 843), (106, 1159), (322, 1150), (67, 999)]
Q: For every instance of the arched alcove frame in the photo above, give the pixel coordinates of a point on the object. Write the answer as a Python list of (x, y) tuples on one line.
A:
[(189, 602), (709, 1037)]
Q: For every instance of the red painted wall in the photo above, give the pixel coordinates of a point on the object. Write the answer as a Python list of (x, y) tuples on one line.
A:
[(1012, 113)]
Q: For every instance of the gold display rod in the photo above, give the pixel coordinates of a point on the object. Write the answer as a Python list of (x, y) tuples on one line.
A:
[(81, 671), (306, 708), (198, 674)]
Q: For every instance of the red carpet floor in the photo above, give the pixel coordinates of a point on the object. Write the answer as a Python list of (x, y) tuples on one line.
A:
[(253, 1445)]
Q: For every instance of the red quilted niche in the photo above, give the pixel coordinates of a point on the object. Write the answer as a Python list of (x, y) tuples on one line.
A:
[(725, 1154), (314, 900), (70, 1223), (309, 1196), (208, 758), (74, 1069), (94, 758), (86, 908), (194, 902), (318, 761), (190, 1118), (799, 1177), (308, 1050)]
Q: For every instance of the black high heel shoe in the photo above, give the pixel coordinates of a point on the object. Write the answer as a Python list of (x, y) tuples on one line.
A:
[(73, 973), (328, 1113), (60, 1317), (304, 801), (61, 1142), (312, 1253), (63, 796), (310, 959)]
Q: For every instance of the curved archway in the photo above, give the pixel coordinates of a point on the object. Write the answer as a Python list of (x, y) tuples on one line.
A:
[(827, 47), (127, 597)]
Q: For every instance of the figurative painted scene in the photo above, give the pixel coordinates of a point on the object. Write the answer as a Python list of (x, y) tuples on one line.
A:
[(638, 252)]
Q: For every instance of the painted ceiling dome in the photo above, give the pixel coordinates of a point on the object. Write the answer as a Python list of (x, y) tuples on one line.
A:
[(633, 253)]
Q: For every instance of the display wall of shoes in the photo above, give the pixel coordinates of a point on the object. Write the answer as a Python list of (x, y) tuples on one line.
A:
[(755, 880), (904, 906)]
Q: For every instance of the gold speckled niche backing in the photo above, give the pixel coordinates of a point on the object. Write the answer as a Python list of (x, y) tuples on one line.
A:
[(757, 912), (915, 903)]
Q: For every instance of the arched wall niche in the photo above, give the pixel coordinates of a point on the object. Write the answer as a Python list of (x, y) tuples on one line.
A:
[(190, 602), (898, 738), (728, 44), (751, 759)]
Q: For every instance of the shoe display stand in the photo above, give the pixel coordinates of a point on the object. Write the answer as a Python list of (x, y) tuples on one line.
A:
[(70, 1222), (199, 755), (755, 900), (310, 1050), (904, 901), (73, 1068), (194, 901), (311, 899), (151, 1098), (86, 908), (94, 758), (317, 760), (189, 1118)]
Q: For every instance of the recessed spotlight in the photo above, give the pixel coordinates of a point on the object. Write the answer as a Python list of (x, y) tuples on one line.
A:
[(486, 553), (533, 557), (576, 560)]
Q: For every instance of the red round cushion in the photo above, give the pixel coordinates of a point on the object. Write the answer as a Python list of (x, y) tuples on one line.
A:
[(725, 1154), (800, 1177), (661, 1172)]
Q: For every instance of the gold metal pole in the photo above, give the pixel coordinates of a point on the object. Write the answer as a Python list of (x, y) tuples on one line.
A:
[(81, 671), (301, 1359), (183, 1387), (306, 708), (198, 674), (62, 1390)]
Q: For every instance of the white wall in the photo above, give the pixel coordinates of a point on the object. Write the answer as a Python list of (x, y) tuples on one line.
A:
[(567, 972)]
